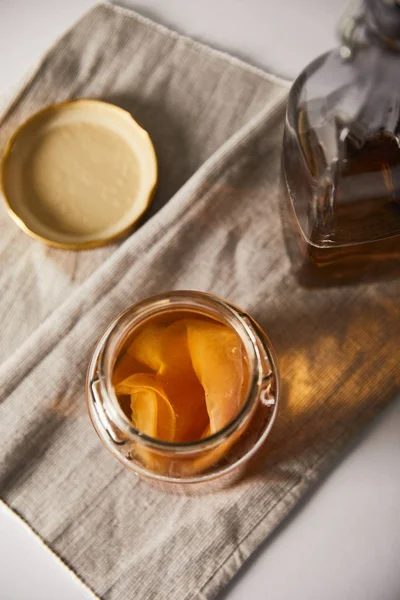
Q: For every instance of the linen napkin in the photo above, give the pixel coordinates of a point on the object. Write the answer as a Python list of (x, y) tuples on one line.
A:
[(214, 226)]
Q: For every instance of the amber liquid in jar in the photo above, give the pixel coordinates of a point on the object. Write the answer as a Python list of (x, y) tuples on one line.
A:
[(183, 389), (181, 377)]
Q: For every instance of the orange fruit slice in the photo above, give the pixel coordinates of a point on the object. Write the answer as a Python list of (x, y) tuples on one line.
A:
[(144, 405), (181, 384), (164, 349), (217, 358), (152, 412), (187, 398), (147, 347)]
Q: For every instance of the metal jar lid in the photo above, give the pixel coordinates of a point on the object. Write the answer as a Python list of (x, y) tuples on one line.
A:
[(78, 174)]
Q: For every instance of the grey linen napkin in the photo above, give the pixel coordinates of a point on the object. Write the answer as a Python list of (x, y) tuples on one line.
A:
[(214, 226)]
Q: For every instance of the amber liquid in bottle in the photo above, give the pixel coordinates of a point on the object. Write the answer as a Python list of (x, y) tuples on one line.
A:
[(352, 245), (341, 157)]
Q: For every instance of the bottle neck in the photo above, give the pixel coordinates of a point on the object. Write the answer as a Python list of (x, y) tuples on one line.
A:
[(382, 17), (370, 22)]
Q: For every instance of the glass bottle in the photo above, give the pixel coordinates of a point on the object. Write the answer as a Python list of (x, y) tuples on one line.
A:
[(211, 462), (341, 155)]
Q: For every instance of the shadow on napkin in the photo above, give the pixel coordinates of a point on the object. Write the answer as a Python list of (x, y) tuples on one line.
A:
[(331, 356)]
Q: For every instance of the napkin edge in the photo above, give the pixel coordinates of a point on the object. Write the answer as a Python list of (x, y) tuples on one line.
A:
[(11, 98), (197, 45)]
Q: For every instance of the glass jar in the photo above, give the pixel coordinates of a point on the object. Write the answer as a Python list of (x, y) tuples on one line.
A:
[(341, 155), (190, 466)]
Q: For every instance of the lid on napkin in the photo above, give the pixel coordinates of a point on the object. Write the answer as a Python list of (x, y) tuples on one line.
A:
[(78, 174)]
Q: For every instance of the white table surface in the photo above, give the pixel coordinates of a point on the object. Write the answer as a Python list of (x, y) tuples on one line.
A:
[(344, 542)]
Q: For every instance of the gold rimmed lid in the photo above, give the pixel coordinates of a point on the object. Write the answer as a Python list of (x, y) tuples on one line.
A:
[(78, 174)]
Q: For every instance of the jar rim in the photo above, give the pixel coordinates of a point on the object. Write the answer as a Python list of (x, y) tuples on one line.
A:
[(262, 369)]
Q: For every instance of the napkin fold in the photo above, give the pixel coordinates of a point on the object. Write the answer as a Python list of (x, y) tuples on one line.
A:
[(216, 124)]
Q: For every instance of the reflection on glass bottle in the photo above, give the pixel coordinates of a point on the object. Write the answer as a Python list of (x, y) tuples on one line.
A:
[(341, 156)]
